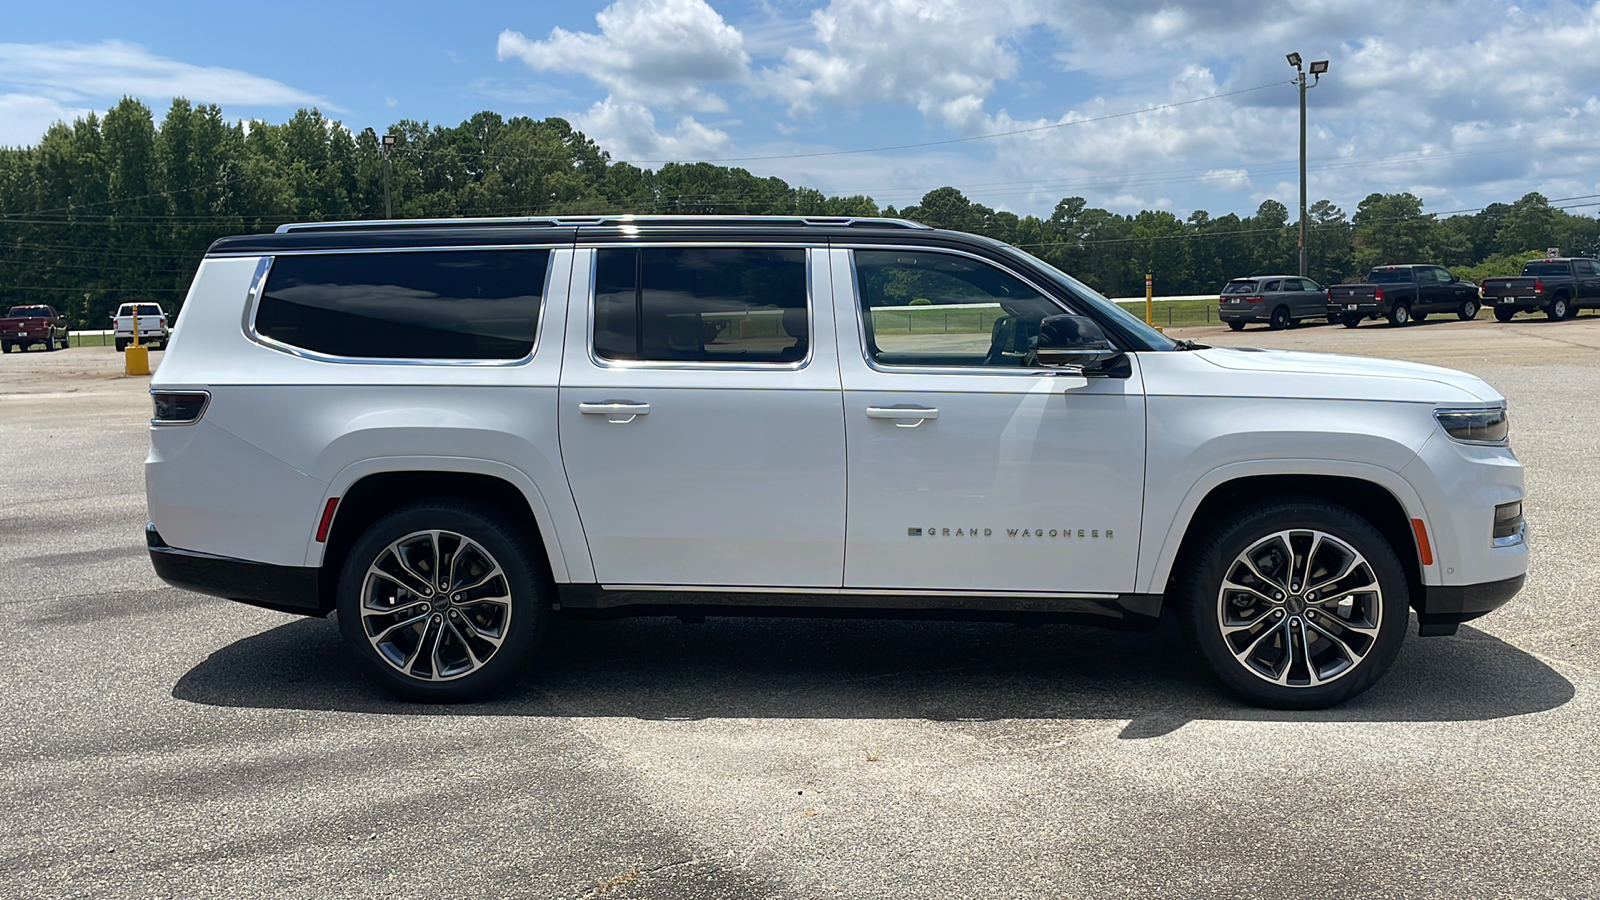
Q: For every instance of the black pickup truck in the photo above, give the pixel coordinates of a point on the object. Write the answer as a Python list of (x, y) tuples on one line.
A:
[(1559, 286), (1402, 294)]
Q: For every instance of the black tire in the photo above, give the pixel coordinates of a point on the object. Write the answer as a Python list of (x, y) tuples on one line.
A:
[(520, 620), (1468, 310), (5, 346), (1236, 325), (1280, 319), (1400, 315), (1350, 321), (1503, 314), (49, 344), (1419, 316), (1560, 308), (1254, 527), (122, 344)]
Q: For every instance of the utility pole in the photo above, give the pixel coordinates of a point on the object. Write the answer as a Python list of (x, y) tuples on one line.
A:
[(1317, 70), (389, 141)]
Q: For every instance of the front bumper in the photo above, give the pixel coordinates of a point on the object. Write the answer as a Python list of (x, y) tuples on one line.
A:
[(290, 589), (1443, 607)]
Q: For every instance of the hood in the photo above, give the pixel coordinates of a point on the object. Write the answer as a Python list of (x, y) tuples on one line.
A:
[(1305, 374)]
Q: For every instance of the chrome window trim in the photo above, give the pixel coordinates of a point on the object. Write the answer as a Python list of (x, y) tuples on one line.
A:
[(887, 368), (173, 423), (682, 365), (264, 268), (450, 248)]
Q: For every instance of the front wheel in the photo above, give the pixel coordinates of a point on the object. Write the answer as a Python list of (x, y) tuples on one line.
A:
[(1400, 315), (1296, 604), (1560, 307), (1236, 325), (1502, 314), (1468, 310), (442, 601)]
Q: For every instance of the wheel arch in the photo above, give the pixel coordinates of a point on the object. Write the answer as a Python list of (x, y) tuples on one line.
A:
[(369, 489), (1377, 495)]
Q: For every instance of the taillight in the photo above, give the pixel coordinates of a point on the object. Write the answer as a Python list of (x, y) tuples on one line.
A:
[(1378, 295), (161, 323), (1254, 299), (1330, 295), (1538, 287), (178, 407)]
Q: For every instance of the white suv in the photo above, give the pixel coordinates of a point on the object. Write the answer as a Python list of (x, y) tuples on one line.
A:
[(453, 431)]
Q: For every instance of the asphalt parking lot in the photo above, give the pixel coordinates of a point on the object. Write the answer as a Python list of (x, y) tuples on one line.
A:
[(160, 743)]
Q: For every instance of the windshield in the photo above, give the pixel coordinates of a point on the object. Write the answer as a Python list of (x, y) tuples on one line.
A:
[(1121, 318), (29, 312), (1545, 268), (1389, 276), (1240, 287)]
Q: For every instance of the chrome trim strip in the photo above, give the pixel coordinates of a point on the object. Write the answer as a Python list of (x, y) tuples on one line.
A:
[(851, 592), (197, 416), (710, 366), (258, 287)]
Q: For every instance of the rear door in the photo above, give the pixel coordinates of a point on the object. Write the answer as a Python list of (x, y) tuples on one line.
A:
[(700, 417)]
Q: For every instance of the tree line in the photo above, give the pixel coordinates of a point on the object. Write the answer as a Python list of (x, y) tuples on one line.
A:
[(115, 209)]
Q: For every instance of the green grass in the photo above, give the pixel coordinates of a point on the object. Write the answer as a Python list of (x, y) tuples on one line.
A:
[(1177, 313)]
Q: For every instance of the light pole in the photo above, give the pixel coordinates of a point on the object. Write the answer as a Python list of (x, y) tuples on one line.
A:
[(389, 141), (1317, 69)]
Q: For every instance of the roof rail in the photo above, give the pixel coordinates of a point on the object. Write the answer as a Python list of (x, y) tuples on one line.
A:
[(579, 221)]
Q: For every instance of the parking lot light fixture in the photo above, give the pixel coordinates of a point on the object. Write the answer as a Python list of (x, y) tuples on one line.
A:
[(388, 141), (1318, 67)]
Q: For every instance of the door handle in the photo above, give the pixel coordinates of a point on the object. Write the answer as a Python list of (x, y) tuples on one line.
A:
[(904, 416), (617, 412)]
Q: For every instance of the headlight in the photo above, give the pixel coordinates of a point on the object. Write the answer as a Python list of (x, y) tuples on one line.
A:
[(1474, 426)]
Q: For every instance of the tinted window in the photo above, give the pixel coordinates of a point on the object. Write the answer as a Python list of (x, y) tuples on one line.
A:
[(469, 304), (1311, 286), (1389, 276), (1584, 266), (701, 304), (1271, 286), (1240, 287), (940, 309), (1545, 268)]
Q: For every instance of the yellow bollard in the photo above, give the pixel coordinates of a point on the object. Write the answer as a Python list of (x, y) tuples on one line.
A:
[(136, 358)]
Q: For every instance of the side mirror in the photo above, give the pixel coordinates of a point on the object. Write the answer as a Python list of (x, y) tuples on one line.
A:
[(1077, 343)]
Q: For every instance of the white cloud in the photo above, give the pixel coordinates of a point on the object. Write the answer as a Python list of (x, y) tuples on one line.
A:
[(71, 72), (24, 118), (647, 51), (628, 131)]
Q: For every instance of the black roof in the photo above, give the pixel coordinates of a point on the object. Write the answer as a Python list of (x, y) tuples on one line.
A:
[(548, 231)]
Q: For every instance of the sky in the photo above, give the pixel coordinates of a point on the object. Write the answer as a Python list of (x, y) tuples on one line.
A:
[(1131, 104)]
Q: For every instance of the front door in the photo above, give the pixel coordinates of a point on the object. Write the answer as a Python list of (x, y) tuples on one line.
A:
[(971, 469), (700, 417)]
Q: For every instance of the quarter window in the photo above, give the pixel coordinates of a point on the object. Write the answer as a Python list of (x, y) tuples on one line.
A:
[(938, 309), (701, 304), (468, 304)]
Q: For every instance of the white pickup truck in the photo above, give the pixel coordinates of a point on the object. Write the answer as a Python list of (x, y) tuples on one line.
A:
[(453, 432), (153, 328)]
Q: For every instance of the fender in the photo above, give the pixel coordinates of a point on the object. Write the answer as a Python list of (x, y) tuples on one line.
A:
[(563, 567), (1155, 568)]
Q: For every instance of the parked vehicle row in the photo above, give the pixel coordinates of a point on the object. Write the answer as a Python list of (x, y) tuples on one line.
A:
[(1402, 294)]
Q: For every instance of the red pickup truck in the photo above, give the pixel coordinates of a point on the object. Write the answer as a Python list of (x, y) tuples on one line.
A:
[(25, 326)]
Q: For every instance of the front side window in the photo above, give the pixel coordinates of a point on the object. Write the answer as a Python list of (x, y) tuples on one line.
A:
[(701, 304), (938, 309), (447, 304)]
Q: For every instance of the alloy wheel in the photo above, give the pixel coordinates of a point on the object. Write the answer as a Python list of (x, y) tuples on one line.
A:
[(435, 605), (1300, 608)]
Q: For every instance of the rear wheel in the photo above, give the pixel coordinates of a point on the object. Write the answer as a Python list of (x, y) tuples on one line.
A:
[(49, 344), (1400, 314), (1350, 321), (122, 344), (5, 346), (1559, 309), (1296, 604), (442, 601), (1280, 319), (1236, 325), (1502, 314), (1468, 310)]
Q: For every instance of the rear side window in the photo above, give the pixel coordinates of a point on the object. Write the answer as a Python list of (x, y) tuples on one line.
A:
[(455, 304), (701, 304), (1545, 268), (1240, 287), (1390, 276)]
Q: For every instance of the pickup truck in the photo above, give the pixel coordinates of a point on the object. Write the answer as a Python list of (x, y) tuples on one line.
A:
[(152, 325), (1560, 287), (25, 326), (1402, 294)]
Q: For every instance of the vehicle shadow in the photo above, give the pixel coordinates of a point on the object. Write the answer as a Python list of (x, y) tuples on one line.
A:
[(660, 669)]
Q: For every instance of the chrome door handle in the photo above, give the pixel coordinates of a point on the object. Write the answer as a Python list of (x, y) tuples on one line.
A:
[(617, 412), (904, 416)]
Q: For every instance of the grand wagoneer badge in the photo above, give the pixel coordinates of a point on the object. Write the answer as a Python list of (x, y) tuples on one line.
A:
[(1092, 534)]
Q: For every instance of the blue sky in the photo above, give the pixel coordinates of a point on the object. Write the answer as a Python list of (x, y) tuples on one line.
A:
[(1131, 104)]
